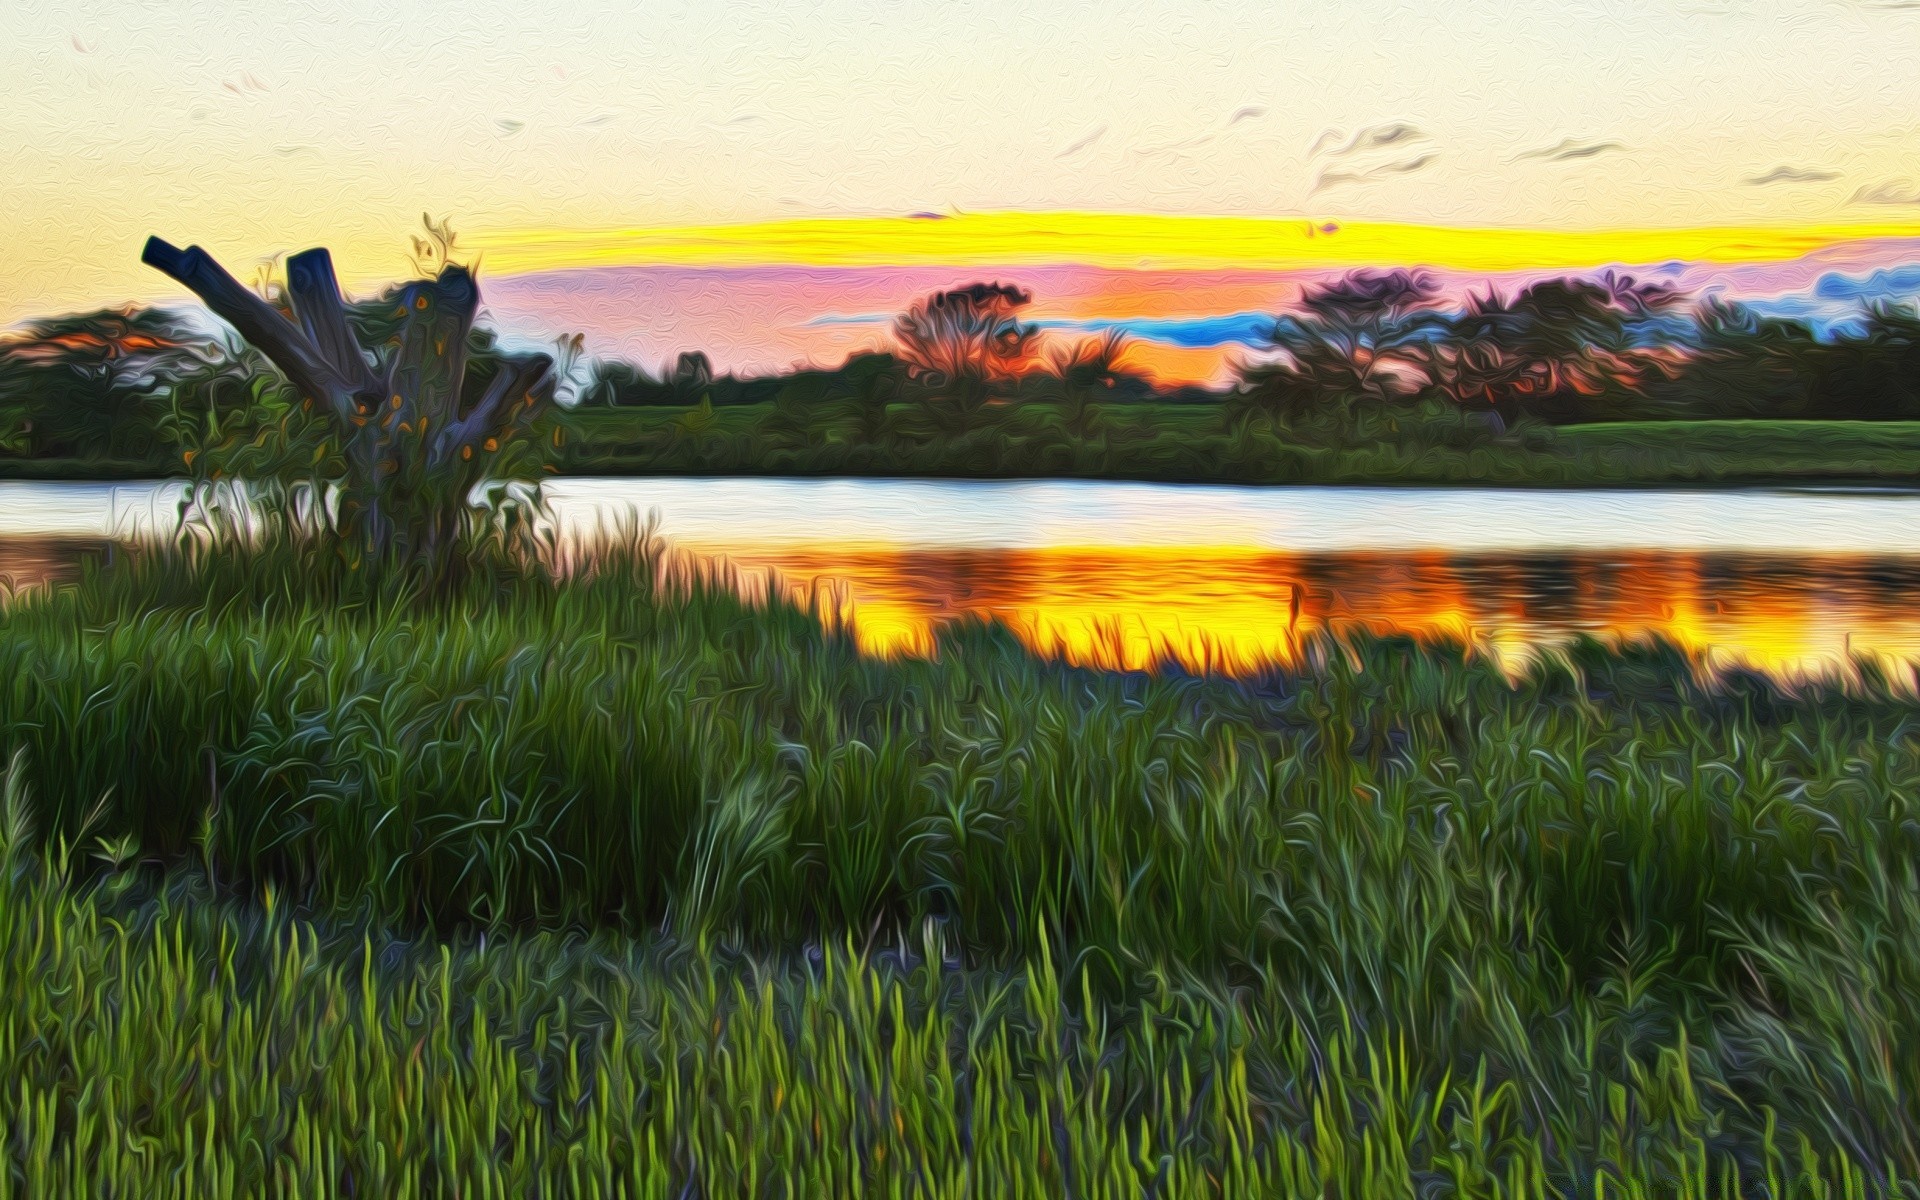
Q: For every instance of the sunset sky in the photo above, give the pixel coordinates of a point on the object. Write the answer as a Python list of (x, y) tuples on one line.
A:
[(1475, 136)]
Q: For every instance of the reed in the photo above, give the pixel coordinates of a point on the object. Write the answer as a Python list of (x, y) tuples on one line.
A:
[(624, 882)]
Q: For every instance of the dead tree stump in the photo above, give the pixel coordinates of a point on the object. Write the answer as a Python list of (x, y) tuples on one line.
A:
[(415, 442)]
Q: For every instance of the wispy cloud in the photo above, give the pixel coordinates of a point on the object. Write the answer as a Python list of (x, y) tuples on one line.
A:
[(1182, 146), (1785, 174), (1084, 141), (1569, 149), (1374, 151), (1372, 137), (1403, 167), (1899, 192)]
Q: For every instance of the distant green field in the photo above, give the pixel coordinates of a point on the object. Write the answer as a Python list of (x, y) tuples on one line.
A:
[(1192, 443), (1201, 443), (1750, 451), (1904, 432), (1757, 438)]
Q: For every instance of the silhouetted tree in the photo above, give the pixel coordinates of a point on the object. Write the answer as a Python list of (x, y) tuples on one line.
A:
[(1092, 364), (96, 385), (620, 384), (962, 343), (692, 376), (1871, 375), (1738, 363), (1553, 347), (624, 385), (1360, 337), (1087, 372)]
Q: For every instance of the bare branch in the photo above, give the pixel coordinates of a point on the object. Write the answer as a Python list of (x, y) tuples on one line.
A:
[(316, 301), (255, 320), (517, 378)]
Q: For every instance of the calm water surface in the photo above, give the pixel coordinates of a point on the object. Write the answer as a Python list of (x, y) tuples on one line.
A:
[(1128, 574)]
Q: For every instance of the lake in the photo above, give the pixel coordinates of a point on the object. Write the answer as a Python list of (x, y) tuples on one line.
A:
[(1126, 574)]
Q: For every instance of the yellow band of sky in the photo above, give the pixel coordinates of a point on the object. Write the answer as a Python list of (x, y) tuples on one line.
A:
[(1155, 242)]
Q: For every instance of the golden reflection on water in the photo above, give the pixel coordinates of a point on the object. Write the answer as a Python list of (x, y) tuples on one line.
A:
[(1233, 609)]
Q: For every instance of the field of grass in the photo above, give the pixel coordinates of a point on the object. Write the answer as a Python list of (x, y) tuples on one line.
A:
[(1192, 443), (611, 887), (1888, 451), (1195, 443)]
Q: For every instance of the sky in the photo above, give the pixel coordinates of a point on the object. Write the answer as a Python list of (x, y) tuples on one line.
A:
[(566, 136)]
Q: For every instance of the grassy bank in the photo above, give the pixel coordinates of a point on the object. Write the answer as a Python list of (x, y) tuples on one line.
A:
[(753, 904), (1194, 443), (1204, 443), (1860, 451)]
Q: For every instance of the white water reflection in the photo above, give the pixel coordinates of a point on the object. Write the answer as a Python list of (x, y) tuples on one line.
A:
[(1038, 515)]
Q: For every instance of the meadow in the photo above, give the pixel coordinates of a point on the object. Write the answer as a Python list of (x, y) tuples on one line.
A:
[(1430, 444), (606, 880)]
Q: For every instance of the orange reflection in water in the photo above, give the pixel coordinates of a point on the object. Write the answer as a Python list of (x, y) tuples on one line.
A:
[(1235, 609)]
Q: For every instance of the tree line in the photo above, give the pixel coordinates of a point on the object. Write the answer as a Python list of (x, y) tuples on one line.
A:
[(1561, 350), (1576, 349), (143, 384)]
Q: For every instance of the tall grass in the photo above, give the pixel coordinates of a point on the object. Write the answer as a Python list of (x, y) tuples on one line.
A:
[(638, 879), (161, 1043)]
